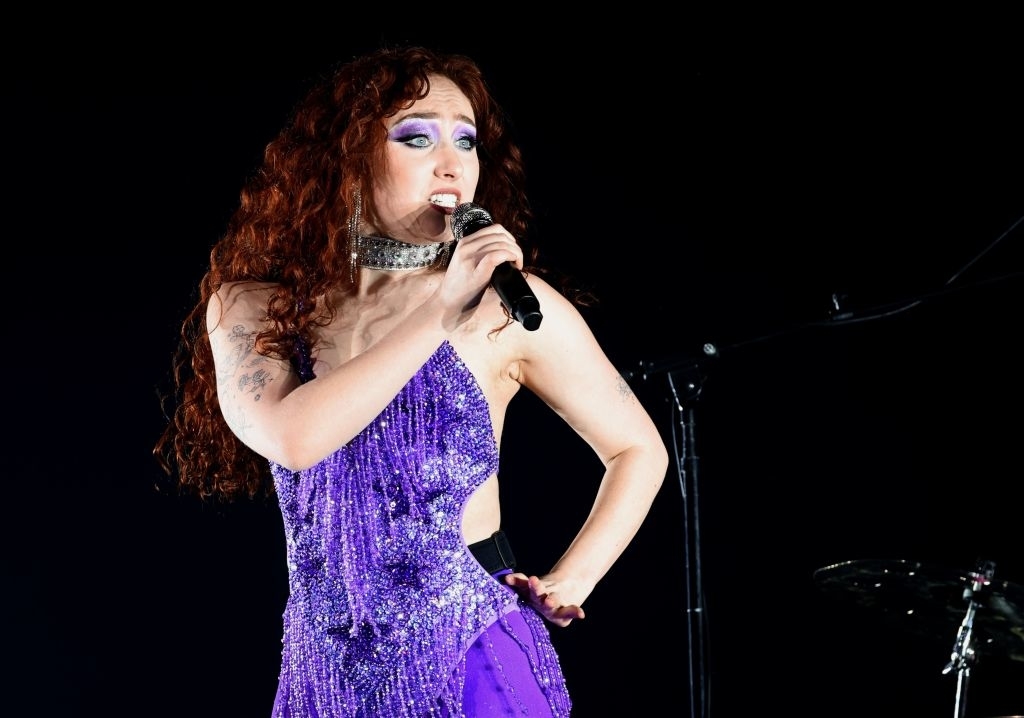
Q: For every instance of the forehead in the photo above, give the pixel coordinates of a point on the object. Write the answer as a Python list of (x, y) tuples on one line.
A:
[(444, 99)]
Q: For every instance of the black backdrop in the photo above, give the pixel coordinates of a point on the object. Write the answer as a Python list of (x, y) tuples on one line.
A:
[(712, 180)]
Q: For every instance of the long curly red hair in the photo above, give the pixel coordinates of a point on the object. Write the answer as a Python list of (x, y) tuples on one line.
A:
[(291, 227)]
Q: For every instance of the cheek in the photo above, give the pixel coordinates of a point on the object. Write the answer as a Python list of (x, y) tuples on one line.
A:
[(471, 173), (393, 180), (397, 188), (399, 162), (406, 175)]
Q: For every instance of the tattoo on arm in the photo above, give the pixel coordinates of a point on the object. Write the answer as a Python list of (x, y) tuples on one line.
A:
[(255, 382), (244, 355), (625, 391)]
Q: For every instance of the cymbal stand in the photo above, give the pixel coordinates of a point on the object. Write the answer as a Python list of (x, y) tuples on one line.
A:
[(963, 656)]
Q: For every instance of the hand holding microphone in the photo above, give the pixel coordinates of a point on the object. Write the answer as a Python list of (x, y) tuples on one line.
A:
[(507, 281)]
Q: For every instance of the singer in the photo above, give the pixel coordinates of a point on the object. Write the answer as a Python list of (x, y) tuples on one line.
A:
[(347, 356)]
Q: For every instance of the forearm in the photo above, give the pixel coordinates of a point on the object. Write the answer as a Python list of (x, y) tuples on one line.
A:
[(297, 426), (630, 484)]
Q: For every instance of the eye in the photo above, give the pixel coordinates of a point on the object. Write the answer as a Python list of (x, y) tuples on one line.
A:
[(414, 139), (466, 142)]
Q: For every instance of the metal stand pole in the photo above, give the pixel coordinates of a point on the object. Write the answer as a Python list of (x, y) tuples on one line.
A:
[(686, 385), (963, 656)]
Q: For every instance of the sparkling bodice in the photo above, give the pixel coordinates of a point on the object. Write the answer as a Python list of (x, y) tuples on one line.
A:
[(384, 595)]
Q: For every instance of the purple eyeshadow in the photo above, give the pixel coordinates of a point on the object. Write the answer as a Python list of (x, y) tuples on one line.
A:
[(414, 126)]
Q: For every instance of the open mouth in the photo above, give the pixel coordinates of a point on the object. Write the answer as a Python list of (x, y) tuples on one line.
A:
[(445, 200)]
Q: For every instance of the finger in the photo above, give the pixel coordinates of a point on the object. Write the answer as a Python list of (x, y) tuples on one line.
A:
[(519, 580)]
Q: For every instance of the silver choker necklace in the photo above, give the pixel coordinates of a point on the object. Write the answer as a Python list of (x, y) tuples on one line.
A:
[(387, 253)]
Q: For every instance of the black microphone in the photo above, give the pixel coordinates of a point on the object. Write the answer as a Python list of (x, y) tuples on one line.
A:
[(507, 281)]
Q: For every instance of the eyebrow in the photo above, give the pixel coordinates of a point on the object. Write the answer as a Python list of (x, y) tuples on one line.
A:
[(429, 116)]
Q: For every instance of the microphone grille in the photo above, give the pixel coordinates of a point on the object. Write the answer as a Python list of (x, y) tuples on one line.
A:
[(467, 214)]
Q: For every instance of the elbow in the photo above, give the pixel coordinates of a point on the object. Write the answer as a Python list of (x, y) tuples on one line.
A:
[(662, 458), (294, 454), (660, 463), (654, 457), (647, 463), (291, 448)]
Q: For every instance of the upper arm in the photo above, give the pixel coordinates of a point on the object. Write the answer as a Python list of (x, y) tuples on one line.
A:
[(566, 367), (249, 384)]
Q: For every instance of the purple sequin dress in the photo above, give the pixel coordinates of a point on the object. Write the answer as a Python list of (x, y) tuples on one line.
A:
[(385, 599)]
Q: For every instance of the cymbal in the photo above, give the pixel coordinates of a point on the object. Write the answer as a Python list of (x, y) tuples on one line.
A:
[(931, 600)]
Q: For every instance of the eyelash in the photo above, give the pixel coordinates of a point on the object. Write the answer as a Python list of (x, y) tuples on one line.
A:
[(409, 140)]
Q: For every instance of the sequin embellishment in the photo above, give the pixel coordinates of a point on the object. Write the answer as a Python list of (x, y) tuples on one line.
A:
[(384, 598)]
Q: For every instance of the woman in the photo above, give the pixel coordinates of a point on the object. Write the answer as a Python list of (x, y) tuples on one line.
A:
[(348, 353)]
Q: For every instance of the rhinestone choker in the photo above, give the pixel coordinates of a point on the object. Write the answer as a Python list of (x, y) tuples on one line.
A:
[(387, 253)]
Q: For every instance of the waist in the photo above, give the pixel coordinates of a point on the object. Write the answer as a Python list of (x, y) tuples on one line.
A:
[(494, 553)]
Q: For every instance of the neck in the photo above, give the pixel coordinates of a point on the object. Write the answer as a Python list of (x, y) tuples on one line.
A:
[(393, 254)]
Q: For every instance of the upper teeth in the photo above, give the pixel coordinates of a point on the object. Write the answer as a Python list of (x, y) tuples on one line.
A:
[(445, 200)]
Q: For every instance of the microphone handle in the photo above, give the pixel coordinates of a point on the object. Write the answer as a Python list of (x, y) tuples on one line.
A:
[(507, 281), (516, 295)]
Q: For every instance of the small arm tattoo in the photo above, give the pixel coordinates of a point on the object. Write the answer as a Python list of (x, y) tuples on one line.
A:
[(254, 383), (625, 391), (244, 355)]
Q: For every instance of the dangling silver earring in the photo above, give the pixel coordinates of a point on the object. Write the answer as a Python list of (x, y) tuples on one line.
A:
[(354, 220)]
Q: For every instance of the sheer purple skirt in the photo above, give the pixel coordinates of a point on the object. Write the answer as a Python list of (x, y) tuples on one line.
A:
[(500, 675)]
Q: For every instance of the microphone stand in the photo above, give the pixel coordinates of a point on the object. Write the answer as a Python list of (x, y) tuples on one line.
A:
[(686, 378), (686, 381)]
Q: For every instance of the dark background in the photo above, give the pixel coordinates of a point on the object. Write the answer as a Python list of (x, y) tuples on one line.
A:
[(721, 180)]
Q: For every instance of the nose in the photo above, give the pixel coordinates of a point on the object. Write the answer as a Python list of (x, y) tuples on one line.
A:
[(449, 164)]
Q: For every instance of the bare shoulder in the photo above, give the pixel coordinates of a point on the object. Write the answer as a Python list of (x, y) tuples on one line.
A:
[(238, 303), (235, 316), (246, 379), (563, 350), (560, 316)]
